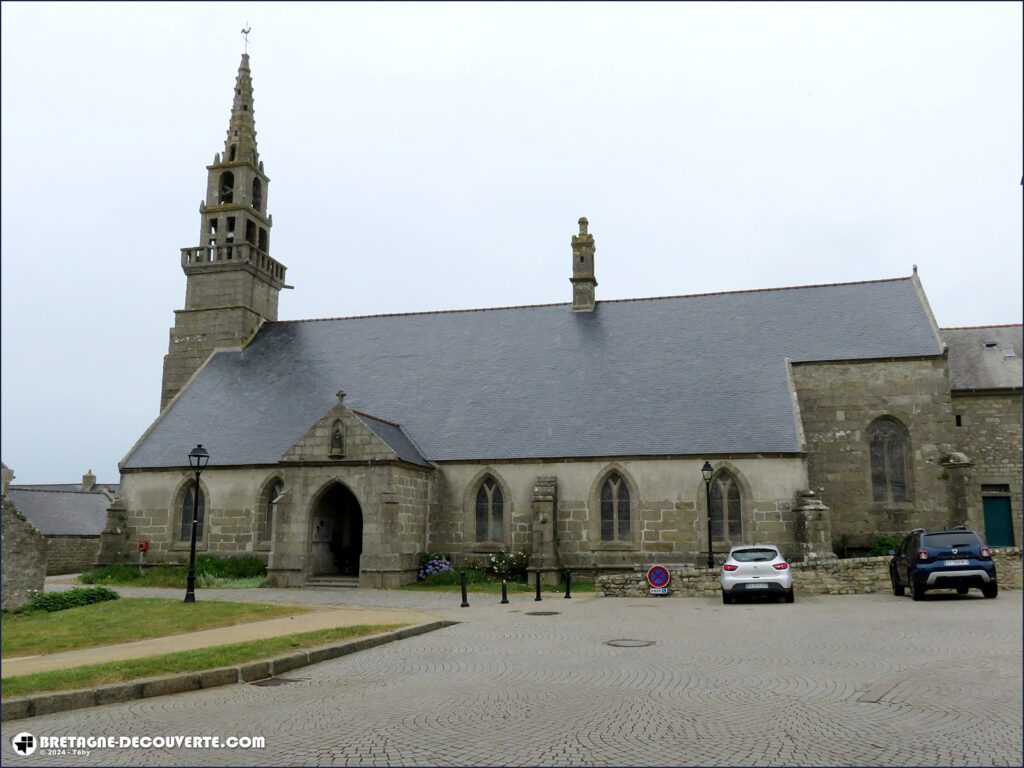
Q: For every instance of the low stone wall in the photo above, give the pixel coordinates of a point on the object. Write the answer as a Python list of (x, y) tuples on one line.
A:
[(70, 554), (23, 558), (852, 576)]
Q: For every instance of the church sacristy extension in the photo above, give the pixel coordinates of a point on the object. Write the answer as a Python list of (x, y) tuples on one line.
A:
[(829, 414)]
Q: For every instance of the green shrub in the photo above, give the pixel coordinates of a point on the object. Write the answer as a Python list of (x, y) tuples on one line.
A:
[(59, 601), (245, 567), (510, 566), (117, 573), (884, 544)]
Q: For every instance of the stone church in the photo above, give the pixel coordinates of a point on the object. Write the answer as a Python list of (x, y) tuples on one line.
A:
[(827, 416)]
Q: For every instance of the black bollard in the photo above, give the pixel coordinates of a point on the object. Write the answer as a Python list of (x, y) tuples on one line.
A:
[(462, 578), (568, 584), (538, 588), (504, 593)]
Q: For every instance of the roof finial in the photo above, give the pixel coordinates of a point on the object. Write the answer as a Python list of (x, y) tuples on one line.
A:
[(245, 33), (583, 225), (915, 269)]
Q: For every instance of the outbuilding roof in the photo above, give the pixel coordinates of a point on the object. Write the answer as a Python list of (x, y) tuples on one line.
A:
[(985, 357), (62, 513), (690, 375)]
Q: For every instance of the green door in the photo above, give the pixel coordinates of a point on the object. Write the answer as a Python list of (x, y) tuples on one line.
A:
[(998, 521)]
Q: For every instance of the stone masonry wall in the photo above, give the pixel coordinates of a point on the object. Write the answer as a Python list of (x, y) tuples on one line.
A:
[(23, 559), (852, 576), (838, 402), (70, 554), (991, 436)]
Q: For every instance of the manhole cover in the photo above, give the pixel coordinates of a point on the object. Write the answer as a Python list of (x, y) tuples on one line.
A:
[(630, 643), (542, 613), (271, 681)]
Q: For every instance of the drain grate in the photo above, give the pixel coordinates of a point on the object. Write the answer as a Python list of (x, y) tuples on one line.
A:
[(630, 643), (542, 613), (273, 681)]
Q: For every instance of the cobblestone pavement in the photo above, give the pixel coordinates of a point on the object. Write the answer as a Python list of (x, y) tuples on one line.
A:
[(830, 680)]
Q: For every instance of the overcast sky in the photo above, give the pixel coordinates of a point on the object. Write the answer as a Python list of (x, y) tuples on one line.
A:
[(436, 156)]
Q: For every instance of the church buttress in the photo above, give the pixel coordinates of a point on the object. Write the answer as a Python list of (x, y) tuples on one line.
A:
[(232, 283)]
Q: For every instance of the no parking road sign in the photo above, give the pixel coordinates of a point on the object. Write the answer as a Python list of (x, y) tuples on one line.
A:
[(658, 577)]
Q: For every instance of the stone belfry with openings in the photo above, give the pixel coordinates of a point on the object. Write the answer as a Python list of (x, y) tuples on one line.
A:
[(232, 284)]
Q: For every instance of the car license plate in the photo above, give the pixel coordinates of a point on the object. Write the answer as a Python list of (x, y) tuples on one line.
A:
[(955, 562), (757, 586), (659, 590)]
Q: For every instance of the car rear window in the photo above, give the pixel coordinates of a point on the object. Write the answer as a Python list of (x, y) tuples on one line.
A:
[(949, 539), (754, 555)]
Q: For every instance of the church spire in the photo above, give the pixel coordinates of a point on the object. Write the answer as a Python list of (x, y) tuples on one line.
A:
[(232, 283), (241, 141)]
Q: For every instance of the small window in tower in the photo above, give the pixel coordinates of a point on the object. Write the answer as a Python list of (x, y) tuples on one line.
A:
[(213, 226), (263, 240), (231, 228), (231, 152), (245, 107), (959, 420), (227, 187), (250, 232)]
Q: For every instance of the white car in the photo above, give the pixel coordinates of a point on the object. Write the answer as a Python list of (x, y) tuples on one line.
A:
[(756, 570)]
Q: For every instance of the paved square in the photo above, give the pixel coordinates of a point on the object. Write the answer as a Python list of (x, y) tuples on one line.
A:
[(831, 680)]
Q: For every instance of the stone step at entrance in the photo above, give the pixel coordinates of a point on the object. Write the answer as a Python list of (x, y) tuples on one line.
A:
[(345, 582)]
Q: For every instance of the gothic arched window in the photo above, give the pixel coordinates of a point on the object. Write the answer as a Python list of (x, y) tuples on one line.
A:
[(490, 511), (888, 448), (726, 508), (267, 523), (227, 188), (257, 194), (615, 518), (186, 515)]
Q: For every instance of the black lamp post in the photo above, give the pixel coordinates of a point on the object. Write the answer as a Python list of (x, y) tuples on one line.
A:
[(198, 457), (707, 471)]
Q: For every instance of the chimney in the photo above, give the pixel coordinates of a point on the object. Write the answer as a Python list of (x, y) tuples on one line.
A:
[(88, 481), (583, 280)]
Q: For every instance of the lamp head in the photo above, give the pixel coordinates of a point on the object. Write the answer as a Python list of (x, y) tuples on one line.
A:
[(199, 457), (707, 471)]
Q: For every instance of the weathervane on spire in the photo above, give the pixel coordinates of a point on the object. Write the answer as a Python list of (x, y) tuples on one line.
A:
[(245, 33)]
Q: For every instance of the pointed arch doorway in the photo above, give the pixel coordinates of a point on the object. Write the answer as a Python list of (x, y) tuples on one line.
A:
[(336, 533)]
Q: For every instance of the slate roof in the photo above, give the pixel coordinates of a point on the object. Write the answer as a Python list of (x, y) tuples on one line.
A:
[(694, 375), (978, 357), (114, 488), (394, 436), (62, 512)]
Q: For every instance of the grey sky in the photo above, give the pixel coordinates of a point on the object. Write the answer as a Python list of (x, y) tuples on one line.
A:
[(436, 156)]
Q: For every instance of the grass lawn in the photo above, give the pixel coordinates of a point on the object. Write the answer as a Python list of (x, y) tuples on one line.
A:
[(122, 621), (184, 661)]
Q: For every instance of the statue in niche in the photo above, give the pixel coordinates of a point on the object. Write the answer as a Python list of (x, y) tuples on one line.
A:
[(337, 440)]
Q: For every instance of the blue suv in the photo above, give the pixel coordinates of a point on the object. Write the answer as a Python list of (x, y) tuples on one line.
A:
[(956, 559)]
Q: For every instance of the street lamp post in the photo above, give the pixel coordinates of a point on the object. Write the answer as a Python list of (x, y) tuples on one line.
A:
[(198, 457), (707, 471)]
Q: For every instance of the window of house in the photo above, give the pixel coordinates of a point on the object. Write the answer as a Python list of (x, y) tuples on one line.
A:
[(257, 194), (490, 511), (615, 514), (187, 504), (888, 448), (267, 523), (726, 508)]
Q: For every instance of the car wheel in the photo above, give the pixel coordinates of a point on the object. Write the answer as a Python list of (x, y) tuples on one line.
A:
[(961, 590), (916, 590), (897, 589), (725, 597), (791, 595), (990, 590)]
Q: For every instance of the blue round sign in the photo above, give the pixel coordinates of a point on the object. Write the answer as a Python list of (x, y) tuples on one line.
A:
[(657, 576)]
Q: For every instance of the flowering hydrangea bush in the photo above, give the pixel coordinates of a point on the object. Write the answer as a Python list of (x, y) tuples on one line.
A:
[(433, 563)]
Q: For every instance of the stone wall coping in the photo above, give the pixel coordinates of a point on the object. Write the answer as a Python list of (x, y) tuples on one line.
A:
[(246, 672)]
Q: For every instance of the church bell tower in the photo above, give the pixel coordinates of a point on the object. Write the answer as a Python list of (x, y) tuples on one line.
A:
[(232, 284)]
